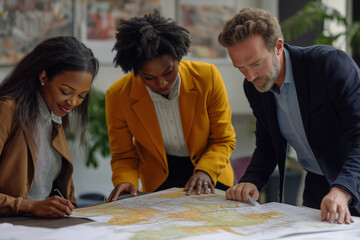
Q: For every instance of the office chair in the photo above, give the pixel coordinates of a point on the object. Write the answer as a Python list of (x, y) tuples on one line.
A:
[(239, 166)]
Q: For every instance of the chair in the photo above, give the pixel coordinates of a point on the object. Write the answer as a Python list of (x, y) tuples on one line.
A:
[(87, 199), (239, 165)]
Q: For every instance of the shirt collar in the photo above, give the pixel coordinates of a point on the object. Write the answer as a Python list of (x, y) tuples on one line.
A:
[(289, 78), (173, 94), (44, 111)]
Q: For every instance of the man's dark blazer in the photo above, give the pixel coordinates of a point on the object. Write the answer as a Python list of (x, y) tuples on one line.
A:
[(327, 84)]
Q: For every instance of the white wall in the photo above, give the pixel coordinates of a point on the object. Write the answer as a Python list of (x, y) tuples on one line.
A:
[(4, 71), (333, 26), (89, 179)]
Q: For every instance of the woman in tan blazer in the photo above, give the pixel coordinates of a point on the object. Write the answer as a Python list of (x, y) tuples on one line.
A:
[(169, 121), (35, 99)]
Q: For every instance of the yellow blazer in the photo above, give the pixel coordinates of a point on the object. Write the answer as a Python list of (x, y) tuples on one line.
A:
[(136, 144), (17, 161)]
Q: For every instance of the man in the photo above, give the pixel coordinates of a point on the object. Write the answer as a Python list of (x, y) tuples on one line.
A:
[(307, 97)]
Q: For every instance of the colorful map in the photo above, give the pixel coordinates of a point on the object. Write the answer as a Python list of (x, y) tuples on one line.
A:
[(171, 214)]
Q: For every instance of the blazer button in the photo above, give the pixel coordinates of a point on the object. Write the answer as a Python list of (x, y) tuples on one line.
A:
[(194, 157)]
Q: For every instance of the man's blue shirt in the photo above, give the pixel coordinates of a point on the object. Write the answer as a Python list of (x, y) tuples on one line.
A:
[(290, 122)]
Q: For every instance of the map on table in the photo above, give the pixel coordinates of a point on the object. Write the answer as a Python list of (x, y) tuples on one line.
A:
[(171, 214)]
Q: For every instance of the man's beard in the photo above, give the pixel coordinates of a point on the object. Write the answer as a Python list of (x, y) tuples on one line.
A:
[(269, 81)]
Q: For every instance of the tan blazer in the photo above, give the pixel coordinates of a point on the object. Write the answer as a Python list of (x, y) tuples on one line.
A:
[(136, 144), (17, 161)]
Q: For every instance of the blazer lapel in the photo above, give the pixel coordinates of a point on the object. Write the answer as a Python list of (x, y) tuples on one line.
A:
[(145, 111), (268, 101), (270, 110), (187, 101), (300, 84), (59, 141), (301, 92)]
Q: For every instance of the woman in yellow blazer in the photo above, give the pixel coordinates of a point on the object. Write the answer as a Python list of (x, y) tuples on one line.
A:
[(169, 121), (35, 99)]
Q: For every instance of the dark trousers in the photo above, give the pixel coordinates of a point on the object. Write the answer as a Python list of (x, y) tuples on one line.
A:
[(180, 171), (316, 187)]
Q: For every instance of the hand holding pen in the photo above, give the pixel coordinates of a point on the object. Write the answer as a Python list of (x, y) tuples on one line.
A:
[(251, 201), (53, 207), (243, 192)]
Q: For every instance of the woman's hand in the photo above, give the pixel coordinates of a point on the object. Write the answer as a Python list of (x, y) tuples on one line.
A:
[(53, 207), (120, 188), (200, 180)]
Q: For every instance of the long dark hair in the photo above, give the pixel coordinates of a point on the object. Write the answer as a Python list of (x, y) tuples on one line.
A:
[(54, 56)]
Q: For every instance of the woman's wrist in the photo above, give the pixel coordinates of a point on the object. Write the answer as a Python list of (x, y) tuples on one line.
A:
[(25, 206)]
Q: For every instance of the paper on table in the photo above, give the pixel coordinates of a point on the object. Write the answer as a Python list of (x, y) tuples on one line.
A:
[(173, 212), (173, 215)]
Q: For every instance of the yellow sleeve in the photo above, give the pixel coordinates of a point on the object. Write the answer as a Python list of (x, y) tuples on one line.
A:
[(221, 140), (124, 159)]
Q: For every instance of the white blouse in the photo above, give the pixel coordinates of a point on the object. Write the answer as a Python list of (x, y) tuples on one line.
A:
[(168, 114), (48, 161)]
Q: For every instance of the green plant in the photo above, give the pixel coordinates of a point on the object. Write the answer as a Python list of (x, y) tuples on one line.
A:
[(97, 139), (316, 12)]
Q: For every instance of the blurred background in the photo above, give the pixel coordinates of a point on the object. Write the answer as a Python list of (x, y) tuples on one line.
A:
[(24, 23)]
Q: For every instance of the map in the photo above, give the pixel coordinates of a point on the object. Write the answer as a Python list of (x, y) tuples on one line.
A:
[(171, 214)]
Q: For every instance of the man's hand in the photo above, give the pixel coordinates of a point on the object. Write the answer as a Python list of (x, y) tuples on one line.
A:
[(241, 191), (336, 202)]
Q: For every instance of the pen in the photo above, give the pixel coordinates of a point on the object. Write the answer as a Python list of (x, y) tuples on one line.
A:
[(57, 192), (251, 200)]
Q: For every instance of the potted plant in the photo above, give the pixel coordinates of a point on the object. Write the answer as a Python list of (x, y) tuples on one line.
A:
[(96, 138), (315, 12)]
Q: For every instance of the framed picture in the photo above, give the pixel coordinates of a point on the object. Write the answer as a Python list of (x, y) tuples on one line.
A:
[(205, 19), (23, 24), (100, 18)]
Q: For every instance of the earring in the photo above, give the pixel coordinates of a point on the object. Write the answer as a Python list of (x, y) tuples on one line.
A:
[(42, 83)]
